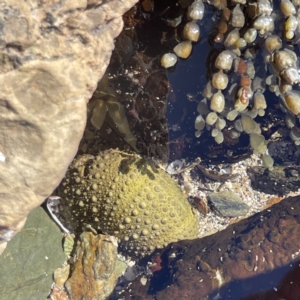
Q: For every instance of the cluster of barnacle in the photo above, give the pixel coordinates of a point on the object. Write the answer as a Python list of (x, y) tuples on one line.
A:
[(191, 32), (235, 92)]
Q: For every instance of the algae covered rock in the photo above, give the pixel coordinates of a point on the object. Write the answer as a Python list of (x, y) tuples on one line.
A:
[(127, 196)]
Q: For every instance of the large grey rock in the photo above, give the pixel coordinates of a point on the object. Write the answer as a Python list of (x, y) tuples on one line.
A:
[(28, 262), (52, 55)]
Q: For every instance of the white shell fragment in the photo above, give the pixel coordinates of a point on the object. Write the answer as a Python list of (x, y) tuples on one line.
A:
[(248, 124), (250, 35), (283, 59), (291, 75), (238, 18), (168, 60), (259, 101), (224, 60), (183, 49), (220, 124), (196, 10), (258, 143), (219, 138), (211, 118), (264, 24), (232, 115), (264, 7), (220, 80), (214, 132), (268, 161), (272, 43), (287, 8), (232, 38), (217, 102), (292, 101), (199, 123), (290, 26), (191, 31)]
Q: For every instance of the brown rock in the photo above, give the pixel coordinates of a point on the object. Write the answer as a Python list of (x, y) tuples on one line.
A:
[(52, 55), (252, 255), (61, 275), (58, 293), (281, 180), (93, 274)]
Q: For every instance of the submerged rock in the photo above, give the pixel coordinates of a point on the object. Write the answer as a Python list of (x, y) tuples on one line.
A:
[(281, 180), (127, 196), (228, 204), (248, 257)]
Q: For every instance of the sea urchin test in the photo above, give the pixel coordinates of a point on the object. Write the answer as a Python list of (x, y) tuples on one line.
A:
[(127, 196)]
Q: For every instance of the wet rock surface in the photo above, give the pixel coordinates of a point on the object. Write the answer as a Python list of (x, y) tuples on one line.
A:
[(29, 260), (281, 180), (52, 56), (92, 275), (228, 204), (256, 253)]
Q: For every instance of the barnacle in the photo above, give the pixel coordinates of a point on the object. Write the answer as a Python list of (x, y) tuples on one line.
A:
[(248, 41)]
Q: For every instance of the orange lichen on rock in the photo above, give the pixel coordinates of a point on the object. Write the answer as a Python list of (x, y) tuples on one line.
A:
[(92, 275)]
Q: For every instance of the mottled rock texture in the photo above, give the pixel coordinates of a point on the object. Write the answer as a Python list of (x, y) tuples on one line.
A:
[(93, 275), (52, 55), (248, 257), (127, 196)]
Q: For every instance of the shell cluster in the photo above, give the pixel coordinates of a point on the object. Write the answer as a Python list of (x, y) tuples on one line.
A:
[(191, 32), (234, 92), (127, 196)]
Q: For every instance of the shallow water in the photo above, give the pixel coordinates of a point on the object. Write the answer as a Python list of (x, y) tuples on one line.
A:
[(187, 80)]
